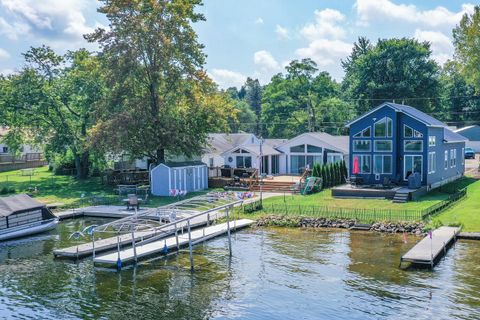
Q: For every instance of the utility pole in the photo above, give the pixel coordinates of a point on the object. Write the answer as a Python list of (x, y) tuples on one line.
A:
[(261, 172)]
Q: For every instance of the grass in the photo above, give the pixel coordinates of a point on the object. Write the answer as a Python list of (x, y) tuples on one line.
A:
[(466, 213), (66, 189), (325, 199)]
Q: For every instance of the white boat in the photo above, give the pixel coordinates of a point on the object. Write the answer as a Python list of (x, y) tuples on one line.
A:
[(20, 216)]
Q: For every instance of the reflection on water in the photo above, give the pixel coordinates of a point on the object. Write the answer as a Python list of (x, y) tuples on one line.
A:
[(275, 273)]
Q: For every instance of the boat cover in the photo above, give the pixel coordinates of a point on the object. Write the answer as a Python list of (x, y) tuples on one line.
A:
[(18, 203)]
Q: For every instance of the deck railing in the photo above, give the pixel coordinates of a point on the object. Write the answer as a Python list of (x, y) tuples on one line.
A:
[(359, 214)]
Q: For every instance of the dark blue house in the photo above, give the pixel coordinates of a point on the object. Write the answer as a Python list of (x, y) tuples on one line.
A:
[(393, 141)]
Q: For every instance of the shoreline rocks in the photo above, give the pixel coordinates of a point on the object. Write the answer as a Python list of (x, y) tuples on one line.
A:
[(306, 222)]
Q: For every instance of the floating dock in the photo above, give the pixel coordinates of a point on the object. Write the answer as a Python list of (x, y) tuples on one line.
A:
[(141, 251), (101, 245), (429, 250)]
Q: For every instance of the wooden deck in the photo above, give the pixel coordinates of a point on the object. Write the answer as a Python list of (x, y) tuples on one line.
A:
[(428, 251), (157, 247)]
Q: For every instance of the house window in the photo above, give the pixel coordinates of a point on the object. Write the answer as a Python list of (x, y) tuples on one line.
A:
[(446, 160), (361, 145), (334, 157), (412, 164), (413, 145), (383, 128), (244, 161), (240, 151), (297, 164), (364, 163), (411, 133), (383, 146), (210, 162), (453, 158), (382, 164), (275, 164), (311, 160), (313, 149), (432, 141), (432, 162), (5, 150), (300, 148), (365, 133)]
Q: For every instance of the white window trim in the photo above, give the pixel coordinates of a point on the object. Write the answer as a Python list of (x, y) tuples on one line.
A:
[(445, 161), (360, 165), (453, 162), (386, 127), (334, 154), (405, 162), (375, 146), (369, 146), (432, 141), (413, 133), (432, 165), (383, 169), (412, 151), (361, 135)]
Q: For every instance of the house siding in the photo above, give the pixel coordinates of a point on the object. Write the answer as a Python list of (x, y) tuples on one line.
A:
[(190, 178)]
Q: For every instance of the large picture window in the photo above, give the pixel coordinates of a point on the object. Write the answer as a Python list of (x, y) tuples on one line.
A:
[(412, 164), (244, 161), (364, 163), (383, 146), (361, 145), (365, 133), (383, 128), (300, 148), (314, 149), (382, 164), (413, 145)]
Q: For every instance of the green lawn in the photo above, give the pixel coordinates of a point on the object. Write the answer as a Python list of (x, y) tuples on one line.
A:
[(66, 189), (466, 213)]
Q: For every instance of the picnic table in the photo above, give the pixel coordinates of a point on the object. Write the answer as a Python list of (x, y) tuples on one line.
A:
[(27, 172)]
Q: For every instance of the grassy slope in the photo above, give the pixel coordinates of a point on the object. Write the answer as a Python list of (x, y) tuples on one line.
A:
[(466, 213), (65, 189)]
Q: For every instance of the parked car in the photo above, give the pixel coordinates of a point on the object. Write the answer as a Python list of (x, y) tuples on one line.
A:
[(469, 153)]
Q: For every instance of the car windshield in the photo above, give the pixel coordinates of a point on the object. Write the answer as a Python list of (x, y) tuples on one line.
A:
[(468, 150)]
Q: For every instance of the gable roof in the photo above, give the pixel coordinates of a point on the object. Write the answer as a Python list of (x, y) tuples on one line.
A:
[(255, 149), (336, 143), (18, 203), (220, 142), (450, 136), (408, 110)]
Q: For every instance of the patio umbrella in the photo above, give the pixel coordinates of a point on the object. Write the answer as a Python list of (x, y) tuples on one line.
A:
[(356, 168)]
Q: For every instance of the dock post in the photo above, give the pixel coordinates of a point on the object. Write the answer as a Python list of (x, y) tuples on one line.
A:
[(228, 233), (133, 246), (176, 236), (190, 245), (93, 244), (431, 261), (119, 261), (77, 253), (444, 250), (208, 219)]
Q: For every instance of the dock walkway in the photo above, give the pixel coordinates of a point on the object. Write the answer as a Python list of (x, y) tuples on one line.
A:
[(140, 251), (427, 251)]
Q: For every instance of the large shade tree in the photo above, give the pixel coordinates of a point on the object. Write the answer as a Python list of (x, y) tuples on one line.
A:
[(399, 70), (161, 99), (53, 101)]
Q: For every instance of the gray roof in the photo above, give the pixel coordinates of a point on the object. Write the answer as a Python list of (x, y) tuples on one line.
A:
[(339, 142), (184, 164), (411, 111), (472, 133), (450, 136), (221, 142), (18, 203), (274, 142)]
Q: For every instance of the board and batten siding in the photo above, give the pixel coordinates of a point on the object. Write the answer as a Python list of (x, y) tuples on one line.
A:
[(190, 178)]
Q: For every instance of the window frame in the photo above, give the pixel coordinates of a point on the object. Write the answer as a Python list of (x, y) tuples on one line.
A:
[(360, 165), (432, 162), (412, 151), (445, 161), (375, 146), (405, 165), (365, 140), (432, 141), (383, 163), (414, 132), (361, 134), (388, 130)]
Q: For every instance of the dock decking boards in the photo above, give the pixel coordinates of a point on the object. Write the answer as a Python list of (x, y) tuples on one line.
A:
[(149, 249), (427, 251)]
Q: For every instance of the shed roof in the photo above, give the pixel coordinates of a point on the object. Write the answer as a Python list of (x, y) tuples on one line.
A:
[(17, 203), (184, 164)]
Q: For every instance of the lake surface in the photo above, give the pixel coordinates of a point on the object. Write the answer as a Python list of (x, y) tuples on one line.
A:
[(273, 274)]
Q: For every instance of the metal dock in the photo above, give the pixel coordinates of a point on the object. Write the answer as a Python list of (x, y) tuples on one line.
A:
[(430, 249), (140, 251)]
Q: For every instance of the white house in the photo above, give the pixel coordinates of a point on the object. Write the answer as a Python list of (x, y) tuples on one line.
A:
[(277, 156)]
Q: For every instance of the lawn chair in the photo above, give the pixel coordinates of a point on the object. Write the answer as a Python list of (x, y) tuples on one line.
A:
[(133, 202)]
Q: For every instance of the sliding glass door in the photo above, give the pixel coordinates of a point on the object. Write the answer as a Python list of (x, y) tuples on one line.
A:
[(412, 164)]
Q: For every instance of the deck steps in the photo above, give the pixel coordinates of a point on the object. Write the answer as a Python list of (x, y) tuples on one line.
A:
[(274, 186), (400, 197)]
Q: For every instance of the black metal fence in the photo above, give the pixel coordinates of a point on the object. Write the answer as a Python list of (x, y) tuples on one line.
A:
[(360, 214)]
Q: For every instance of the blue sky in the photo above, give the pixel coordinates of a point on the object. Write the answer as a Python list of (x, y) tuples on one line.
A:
[(248, 37)]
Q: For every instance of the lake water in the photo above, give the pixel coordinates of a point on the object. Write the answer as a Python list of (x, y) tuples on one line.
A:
[(273, 274)]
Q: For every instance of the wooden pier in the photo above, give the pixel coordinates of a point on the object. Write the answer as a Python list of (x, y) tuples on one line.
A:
[(141, 251), (429, 250)]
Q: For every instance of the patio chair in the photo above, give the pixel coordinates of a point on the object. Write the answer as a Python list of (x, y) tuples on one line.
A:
[(133, 202)]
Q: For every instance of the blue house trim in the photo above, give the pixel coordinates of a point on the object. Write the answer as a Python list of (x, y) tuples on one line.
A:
[(393, 141)]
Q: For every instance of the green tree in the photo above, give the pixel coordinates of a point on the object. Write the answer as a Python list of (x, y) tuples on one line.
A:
[(253, 96), (160, 98), (466, 39), (399, 70), (54, 99), (246, 120)]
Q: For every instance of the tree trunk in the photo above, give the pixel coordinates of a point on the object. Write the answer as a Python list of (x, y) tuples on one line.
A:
[(82, 165), (160, 156)]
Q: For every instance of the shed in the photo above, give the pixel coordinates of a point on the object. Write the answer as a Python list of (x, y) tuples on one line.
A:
[(19, 210), (186, 176)]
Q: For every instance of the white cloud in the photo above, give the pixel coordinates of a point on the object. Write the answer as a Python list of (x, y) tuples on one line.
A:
[(325, 52), (4, 54), (227, 78), (373, 10), (325, 25), (441, 45), (12, 32), (282, 32), (259, 21), (266, 65)]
